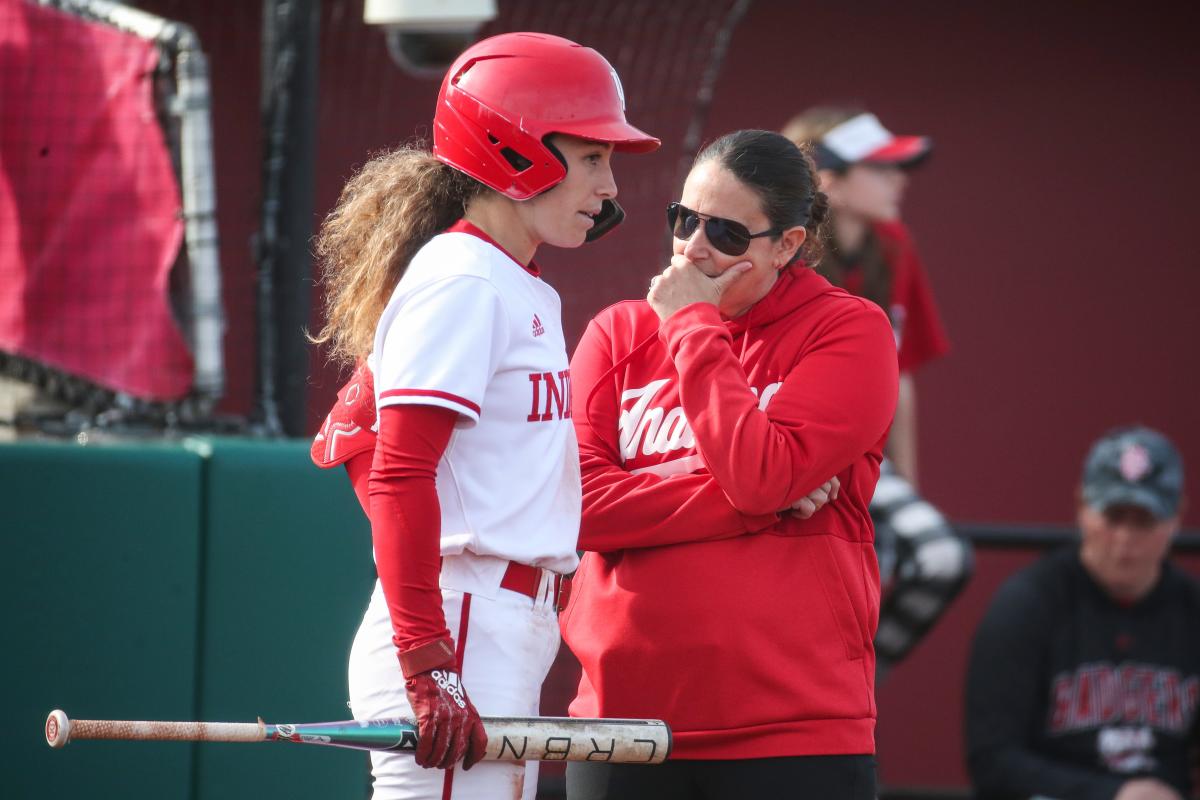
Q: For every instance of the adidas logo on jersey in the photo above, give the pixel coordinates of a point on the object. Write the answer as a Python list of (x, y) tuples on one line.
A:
[(538, 328)]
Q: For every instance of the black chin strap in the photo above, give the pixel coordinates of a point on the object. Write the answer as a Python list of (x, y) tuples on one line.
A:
[(610, 216)]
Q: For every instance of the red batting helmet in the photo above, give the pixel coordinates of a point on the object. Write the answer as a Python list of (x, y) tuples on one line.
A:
[(505, 94)]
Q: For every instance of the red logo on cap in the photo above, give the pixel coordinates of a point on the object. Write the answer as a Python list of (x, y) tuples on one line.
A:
[(1135, 463)]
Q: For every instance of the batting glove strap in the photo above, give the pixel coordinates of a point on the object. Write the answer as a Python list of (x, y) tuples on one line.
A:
[(438, 654), (448, 726)]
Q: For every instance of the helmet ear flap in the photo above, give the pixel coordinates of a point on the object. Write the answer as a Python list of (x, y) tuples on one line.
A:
[(519, 162), (489, 147)]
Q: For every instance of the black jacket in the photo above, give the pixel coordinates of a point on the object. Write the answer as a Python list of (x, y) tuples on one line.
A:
[(1069, 694)]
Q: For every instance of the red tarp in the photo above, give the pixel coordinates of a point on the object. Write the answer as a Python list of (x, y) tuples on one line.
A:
[(90, 220)]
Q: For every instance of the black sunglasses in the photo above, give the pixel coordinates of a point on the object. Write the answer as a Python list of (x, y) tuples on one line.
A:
[(731, 238)]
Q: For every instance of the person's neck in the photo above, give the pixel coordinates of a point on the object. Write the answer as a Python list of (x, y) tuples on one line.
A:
[(497, 216), (849, 232)]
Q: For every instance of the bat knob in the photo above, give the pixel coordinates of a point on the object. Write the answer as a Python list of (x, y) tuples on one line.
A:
[(58, 729)]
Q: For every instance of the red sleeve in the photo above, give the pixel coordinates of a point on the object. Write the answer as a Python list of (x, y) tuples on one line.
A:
[(406, 525), (621, 510), (922, 337), (835, 404), (358, 467)]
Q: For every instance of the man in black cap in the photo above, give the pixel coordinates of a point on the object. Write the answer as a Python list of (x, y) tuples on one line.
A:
[(1084, 675)]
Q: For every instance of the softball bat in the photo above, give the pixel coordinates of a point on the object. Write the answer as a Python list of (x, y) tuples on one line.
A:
[(619, 741)]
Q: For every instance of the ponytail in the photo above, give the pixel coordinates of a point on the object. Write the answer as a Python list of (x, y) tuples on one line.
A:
[(816, 244), (391, 208)]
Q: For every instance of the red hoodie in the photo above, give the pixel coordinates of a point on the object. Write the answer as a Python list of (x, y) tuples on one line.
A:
[(749, 646)]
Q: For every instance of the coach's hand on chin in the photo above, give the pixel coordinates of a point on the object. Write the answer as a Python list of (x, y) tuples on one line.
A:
[(448, 725)]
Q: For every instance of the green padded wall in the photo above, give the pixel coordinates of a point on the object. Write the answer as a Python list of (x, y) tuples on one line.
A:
[(288, 571), (99, 585), (214, 579)]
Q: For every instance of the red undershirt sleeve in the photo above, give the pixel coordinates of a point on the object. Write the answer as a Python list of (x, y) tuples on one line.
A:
[(358, 467), (406, 531)]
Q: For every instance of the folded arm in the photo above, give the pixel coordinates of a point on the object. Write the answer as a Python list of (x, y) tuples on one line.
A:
[(835, 404)]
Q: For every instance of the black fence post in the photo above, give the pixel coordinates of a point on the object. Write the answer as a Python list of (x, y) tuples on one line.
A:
[(289, 100)]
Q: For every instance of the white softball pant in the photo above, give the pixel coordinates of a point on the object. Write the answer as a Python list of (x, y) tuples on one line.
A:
[(510, 643)]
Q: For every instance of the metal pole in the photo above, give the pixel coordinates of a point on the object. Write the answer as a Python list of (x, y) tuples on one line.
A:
[(289, 99)]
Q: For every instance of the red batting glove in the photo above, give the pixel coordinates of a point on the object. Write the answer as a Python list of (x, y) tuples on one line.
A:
[(449, 728)]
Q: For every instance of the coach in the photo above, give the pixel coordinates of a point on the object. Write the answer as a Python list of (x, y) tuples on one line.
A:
[(1085, 672)]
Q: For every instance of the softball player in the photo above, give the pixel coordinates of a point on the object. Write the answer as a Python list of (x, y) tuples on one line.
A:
[(473, 484), (864, 169)]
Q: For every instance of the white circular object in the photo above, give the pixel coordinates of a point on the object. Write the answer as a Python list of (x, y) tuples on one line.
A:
[(58, 729)]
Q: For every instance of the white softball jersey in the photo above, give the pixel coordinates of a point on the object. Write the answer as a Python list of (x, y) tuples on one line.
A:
[(470, 329)]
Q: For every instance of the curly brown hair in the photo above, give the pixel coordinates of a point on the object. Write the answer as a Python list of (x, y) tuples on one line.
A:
[(392, 207)]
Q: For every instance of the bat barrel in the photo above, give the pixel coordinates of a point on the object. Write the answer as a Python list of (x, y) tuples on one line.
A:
[(625, 741)]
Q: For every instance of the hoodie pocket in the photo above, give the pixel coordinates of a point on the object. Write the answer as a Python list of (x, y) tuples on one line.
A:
[(840, 585)]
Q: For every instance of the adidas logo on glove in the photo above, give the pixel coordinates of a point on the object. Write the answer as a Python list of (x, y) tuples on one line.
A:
[(449, 681)]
